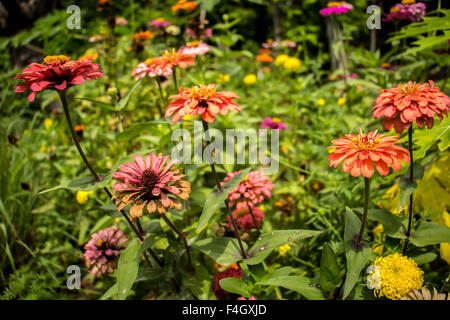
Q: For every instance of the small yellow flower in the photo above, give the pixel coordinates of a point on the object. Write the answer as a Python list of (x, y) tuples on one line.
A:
[(223, 78), (281, 59), (321, 102), (82, 196), (48, 123), (250, 79), (398, 276), (284, 249), (188, 117), (341, 101), (26, 131), (42, 149), (292, 64), (284, 149)]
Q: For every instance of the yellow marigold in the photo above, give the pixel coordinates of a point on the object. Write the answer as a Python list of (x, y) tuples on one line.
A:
[(445, 246), (82, 196), (48, 123), (292, 64), (398, 276), (284, 249), (184, 5), (281, 59), (321, 102), (250, 79), (341, 101), (223, 78)]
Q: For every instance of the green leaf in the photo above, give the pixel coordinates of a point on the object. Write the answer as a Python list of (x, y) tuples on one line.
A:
[(393, 225), (112, 291), (225, 251), (79, 184), (427, 138), (329, 269), (430, 233), (101, 104), (235, 285), (216, 199), (272, 240), (302, 285), (423, 258), (137, 128), (124, 101), (356, 257), (127, 269)]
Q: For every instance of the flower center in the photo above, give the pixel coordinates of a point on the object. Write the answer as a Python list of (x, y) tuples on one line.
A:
[(99, 243), (149, 61), (55, 59), (276, 120), (170, 56), (192, 44), (409, 88), (363, 142), (335, 4), (408, 1), (203, 92), (149, 179)]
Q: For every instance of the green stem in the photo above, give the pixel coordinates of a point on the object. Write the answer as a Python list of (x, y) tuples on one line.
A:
[(253, 216), (366, 207), (219, 187), (174, 77), (411, 181)]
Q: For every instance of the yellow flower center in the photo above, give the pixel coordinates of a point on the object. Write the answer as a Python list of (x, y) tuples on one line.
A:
[(99, 243), (335, 4), (408, 1), (409, 88), (148, 61), (170, 55), (203, 92), (55, 59), (192, 44), (363, 142), (276, 120)]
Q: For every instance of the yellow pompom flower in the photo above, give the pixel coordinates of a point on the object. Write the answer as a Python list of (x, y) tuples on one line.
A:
[(341, 101), (250, 79), (321, 102), (223, 78), (281, 59), (284, 249), (82, 196), (48, 123), (292, 64), (398, 276)]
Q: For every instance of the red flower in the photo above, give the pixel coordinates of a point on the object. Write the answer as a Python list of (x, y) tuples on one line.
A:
[(360, 152), (218, 291), (202, 100), (244, 218), (57, 72), (408, 103)]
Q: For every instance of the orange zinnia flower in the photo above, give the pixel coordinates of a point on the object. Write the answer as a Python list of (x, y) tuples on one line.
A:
[(360, 152), (144, 35), (184, 5), (202, 100), (171, 59), (264, 58), (408, 103)]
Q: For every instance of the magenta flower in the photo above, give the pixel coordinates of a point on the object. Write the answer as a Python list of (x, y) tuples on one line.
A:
[(254, 188), (273, 123), (103, 250), (148, 183), (336, 8), (121, 21), (159, 23), (413, 12), (244, 298), (243, 217)]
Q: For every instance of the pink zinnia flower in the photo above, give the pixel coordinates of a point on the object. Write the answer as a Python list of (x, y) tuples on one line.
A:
[(244, 218), (360, 153), (103, 250), (203, 100), (121, 21), (57, 72), (254, 188), (413, 12), (336, 8), (150, 69), (401, 106), (202, 34), (273, 123), (159, 23), (196, 48), (95, 38), (149, 183)]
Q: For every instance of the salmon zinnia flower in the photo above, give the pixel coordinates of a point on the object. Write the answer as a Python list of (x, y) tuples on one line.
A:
[(147, 183), (244, 218), (57, 72), (203, 100), (184, 5), (360, 152), (254, 188), (408, 103)]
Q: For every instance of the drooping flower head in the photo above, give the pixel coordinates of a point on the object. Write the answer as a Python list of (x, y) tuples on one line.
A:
[(254, 188), (196, 48), (244, 219), (203, 100), (273, 123), (220, 293), (57, 72), (148, 183), (102, 251), (408, 103), (336, 8), (394, 276), (360, 153), (200, 34)]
